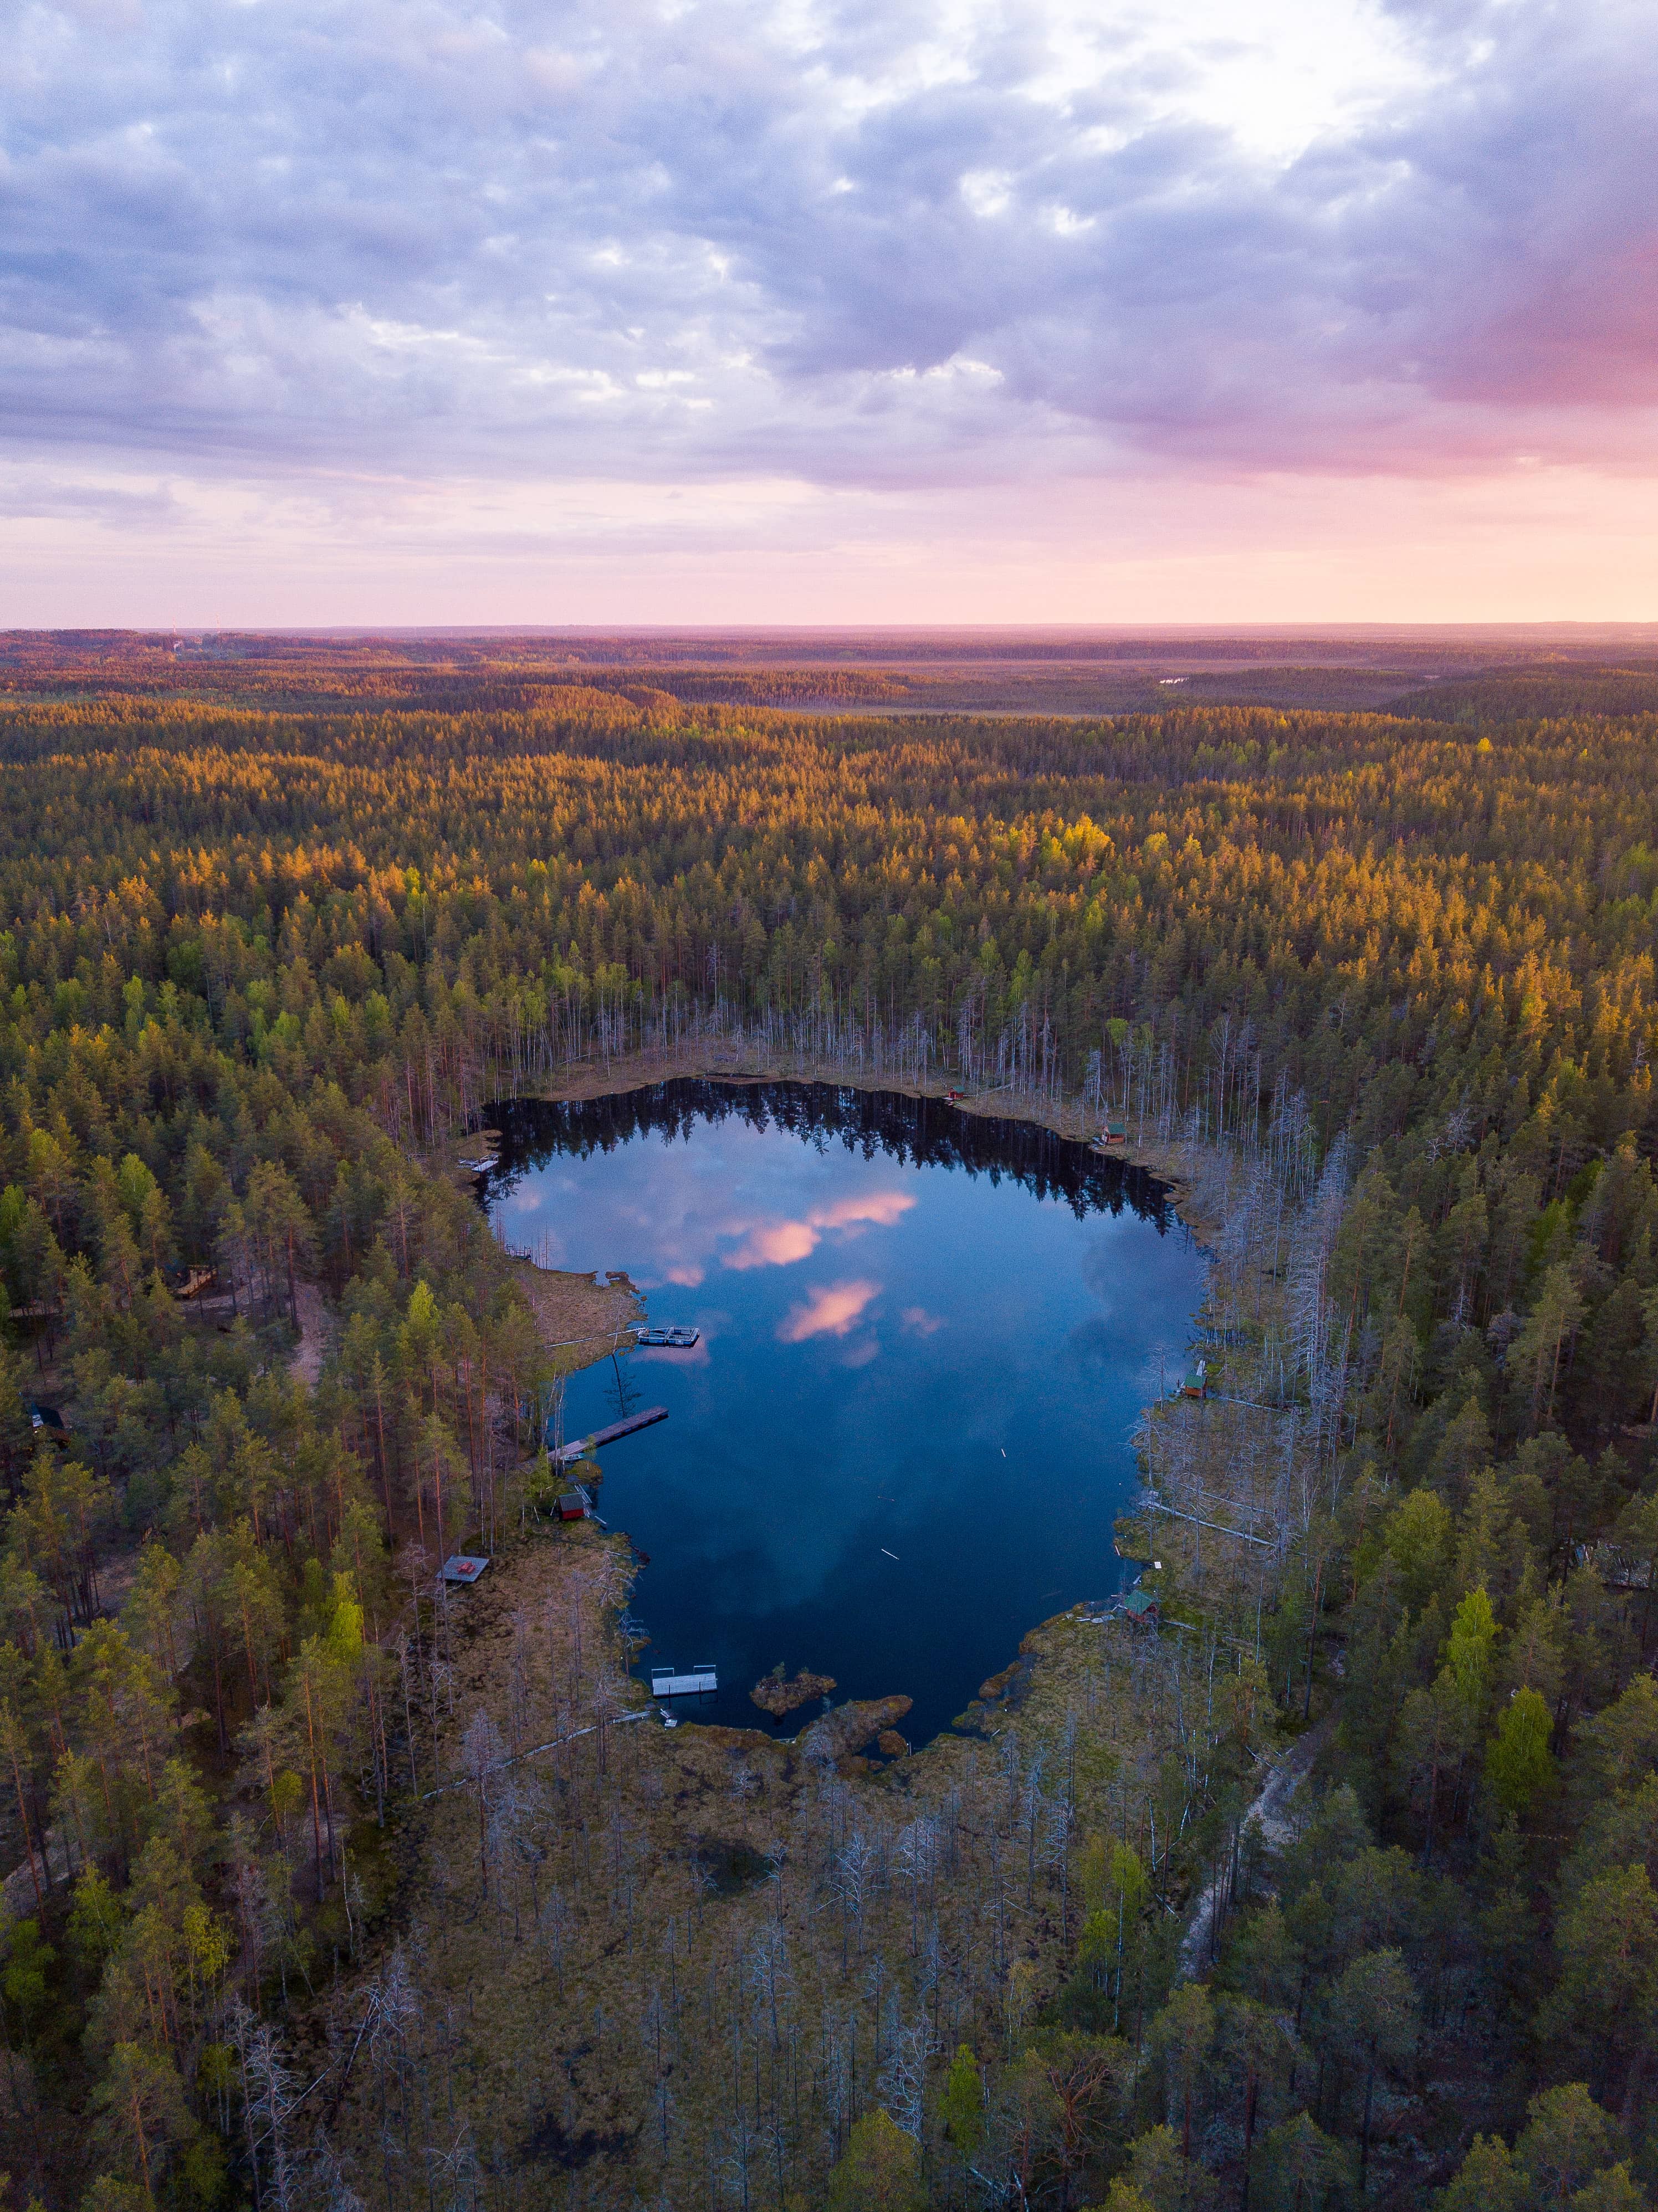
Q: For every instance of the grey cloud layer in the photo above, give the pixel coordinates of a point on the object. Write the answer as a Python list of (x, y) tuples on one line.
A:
[(871, 241)]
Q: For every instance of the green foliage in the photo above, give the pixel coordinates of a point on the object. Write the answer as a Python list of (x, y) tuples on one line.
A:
[(26, 1960), (1373, 2006), (880, 2171), (182, 1811), (143, 2116), (1183, 2036), (1519, 1765), (204, 2169), (961, 2106), (1302, 2169), (1417, 1537), (1162, 2178), (1612, 2190), (1607, 1942), (1123, 2196), (1487, 2181), (1566, 2139), (1468, 1651), (111, 2194), (95, 1919)]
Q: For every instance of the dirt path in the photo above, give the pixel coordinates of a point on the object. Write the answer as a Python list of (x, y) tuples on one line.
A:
[(1270, 1814), (307, 1362)]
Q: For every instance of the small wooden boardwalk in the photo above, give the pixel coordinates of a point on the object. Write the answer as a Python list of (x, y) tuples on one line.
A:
[(582, 1445)]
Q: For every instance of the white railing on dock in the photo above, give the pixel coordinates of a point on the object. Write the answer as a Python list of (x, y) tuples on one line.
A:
[(665, 1683)]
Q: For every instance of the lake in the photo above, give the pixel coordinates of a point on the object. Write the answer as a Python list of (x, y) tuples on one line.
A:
[(903, 1437)]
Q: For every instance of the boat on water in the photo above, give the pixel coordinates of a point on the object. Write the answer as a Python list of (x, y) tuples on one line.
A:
[(670, 1340)]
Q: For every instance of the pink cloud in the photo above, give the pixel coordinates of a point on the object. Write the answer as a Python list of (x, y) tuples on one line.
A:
[(834, 1310), (776, 1245), (920, 1321), (917, 392), (881, 1207), (779, 1244)]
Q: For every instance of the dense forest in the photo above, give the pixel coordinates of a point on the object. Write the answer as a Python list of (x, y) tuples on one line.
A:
[(294, 1919), (1087, 672)]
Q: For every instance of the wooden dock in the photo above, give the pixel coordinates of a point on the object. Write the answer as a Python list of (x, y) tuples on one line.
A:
[(582, 1445)]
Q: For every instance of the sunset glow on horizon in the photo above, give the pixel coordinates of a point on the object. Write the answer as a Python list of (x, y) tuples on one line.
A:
[(819, 311)]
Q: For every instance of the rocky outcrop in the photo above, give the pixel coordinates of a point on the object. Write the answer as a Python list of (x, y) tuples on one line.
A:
[(776, 1694), (839, 1733)]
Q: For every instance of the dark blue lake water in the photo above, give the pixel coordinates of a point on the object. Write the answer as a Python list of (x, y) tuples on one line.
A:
[(903, 1439)]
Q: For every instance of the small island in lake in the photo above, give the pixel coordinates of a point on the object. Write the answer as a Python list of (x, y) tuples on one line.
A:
[(774, 1694)]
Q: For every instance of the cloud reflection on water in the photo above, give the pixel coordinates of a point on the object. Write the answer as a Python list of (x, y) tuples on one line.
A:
[(779, 1243), (677, 1227), (835, 1309), (691, 1225)]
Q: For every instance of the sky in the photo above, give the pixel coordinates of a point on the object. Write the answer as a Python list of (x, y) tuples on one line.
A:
[(828, 311)]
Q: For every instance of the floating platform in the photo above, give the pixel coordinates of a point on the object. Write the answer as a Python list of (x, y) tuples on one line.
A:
[(670, 1340), (665, 1683)]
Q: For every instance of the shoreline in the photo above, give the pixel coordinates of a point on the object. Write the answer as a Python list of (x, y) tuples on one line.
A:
[(1168, 1165), (638, 1071)]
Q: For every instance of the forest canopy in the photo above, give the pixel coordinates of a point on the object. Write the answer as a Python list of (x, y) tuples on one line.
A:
[(268, 944)]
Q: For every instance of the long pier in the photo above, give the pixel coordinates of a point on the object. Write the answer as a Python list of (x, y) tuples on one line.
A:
[(582, 1445)]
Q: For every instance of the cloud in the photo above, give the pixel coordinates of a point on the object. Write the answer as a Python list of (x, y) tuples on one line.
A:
[(37, 494), (919, 1322), (774, 1247), (926, 244), (675, 1224), (836, 1310), (881, 1208), (779, 1244)]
